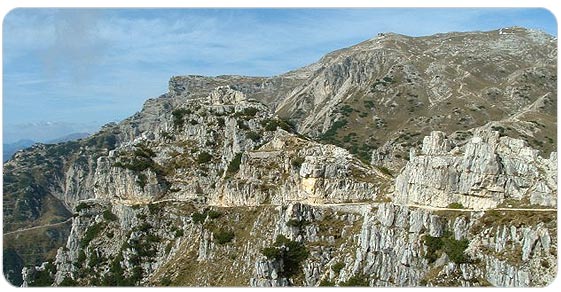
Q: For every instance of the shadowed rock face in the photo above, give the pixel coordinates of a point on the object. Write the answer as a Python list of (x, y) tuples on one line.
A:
[(339, 157)]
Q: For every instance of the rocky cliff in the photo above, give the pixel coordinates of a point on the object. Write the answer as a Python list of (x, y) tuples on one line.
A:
[(317, 177)]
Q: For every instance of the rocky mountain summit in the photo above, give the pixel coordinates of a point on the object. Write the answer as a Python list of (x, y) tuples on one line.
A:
[(401, 161)]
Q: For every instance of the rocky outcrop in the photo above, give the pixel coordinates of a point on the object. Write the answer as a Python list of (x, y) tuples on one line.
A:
[(483, 173), (237, 181)]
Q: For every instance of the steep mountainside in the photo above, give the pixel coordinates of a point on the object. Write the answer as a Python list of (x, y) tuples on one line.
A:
[(331, 174)]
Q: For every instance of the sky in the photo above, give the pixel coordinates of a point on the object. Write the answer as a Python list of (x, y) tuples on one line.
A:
[(73, 70)]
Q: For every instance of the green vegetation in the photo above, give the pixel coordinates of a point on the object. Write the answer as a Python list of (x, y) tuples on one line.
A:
[(326, 283), (385, 170), (178, 117), (234, 165), (44, 278), (204, 157), (291, 253), (247, 113), (355, 281), (456, 206), (109, 216), (329, 135), (447, 243), (198, 218), (68, 282), (242, 125), (254, 136), (141, 180), (297, 223), (297, 161), (81, 206), (90, 234), (212, 214), (223, 236), (337, 267), (273, 124)]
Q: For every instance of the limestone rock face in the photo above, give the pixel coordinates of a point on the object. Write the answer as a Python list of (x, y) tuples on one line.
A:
[(483, 173), (214, 182)]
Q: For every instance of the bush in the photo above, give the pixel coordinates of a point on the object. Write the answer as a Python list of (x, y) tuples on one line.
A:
[(456, 206), (178, 117), (234, 165), (455, 249), (296, 223), (254, 136), (90, 234), (272, 253), (68, 282), (198, 217), (223, 236), (214, 214), (291, 253), (204, 157), (337, 267), (385, 170), (109, 216), (326, 283), (433, 244), (297, 161), (81, 207), (242, 125), (141, 180)]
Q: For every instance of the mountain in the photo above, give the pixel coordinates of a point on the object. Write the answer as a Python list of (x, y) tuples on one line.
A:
[(69, 137), (401, 161), (10, 148)]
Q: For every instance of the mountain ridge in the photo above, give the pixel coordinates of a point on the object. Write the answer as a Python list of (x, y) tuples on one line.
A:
[(321, 158)]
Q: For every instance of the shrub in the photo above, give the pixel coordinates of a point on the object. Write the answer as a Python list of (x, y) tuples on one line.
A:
[(270, 124), (272, 253), (223, 236), (297, 161), (326, 283), (204, 157), (385, 170), (81, 207), (68, 282), (141, 180), (242, 125), (214, 214), (337, 267), (456, 206), (433, 245), (234, 165), (178, 117), (296, 223), (291, 253), (455, 249), (109, 216), (198, 217), (90, 234), (254, 136)]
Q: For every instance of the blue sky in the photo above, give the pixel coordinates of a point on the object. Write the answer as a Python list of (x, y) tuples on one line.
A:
[(73, 70)]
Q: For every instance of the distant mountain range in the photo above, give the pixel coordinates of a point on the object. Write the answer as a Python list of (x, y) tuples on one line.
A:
[(11, 148)]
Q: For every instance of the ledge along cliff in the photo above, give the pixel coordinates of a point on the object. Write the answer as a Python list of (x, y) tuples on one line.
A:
[(400, 161)]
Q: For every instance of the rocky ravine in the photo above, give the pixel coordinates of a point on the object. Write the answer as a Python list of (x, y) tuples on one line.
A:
[(210, 185)]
